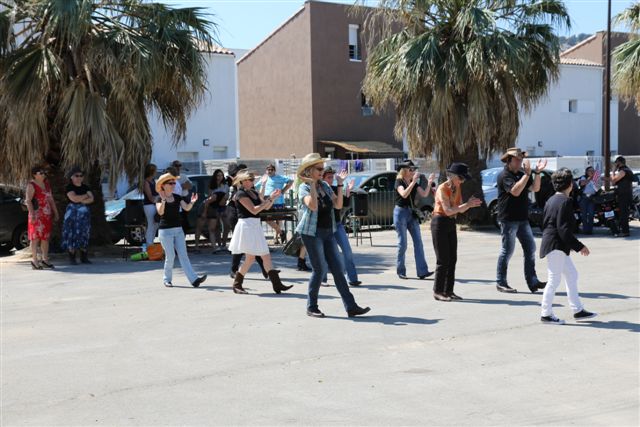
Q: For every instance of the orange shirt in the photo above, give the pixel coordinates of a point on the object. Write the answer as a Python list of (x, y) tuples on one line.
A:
[(445, 192)]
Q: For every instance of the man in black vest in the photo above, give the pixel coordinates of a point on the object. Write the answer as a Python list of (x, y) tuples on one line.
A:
[(623, 180), (514, 185)]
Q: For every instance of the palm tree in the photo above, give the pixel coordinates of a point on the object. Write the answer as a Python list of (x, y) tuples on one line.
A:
[(626, 77), (458, 72), (78, 79)]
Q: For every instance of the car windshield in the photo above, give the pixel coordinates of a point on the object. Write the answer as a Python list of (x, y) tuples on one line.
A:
[(489, 176)]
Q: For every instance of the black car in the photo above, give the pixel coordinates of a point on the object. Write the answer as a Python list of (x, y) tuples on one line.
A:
[(13, 219), (381, 194)]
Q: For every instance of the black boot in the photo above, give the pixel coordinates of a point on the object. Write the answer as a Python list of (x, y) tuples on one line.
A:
[(84, 257), (302, 265), (237, 284), (276, 283), (72, 258)]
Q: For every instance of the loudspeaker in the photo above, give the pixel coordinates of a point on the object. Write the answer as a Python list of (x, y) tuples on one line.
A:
[(134, 212), (360, 204)]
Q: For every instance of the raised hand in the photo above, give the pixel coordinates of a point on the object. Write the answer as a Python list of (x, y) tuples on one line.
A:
[(351, 184), (542, 163), (264, 179), (194, 197), (474, 202), (275, 194), (416, 176), (341, 176), (526, 165), (432, 177)]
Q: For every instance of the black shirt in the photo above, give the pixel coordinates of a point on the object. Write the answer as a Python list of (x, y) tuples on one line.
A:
[(401, 201), (80, 191), (558, 225), (325, 210), (510, 207), (171, 217), (154, 193), (625, 185), (242, 211), (337, 211)]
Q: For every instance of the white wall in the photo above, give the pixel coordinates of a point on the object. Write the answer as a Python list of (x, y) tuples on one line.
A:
[(569, 133), (215, 120)]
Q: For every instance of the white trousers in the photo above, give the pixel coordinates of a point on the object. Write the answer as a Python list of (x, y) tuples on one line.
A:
[(152, 226), (558, 264)]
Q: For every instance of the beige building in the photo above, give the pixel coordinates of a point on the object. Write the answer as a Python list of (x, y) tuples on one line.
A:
[(594, 49), (299, 91)]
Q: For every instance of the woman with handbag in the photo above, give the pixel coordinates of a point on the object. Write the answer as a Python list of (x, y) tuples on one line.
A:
[(42, 211), (317, 227), (443, 229), (407, 186), (171, 233), (248, 237)]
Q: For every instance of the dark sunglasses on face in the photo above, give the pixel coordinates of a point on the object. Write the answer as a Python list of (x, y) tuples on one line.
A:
[(171, 183), (271, 170), (78, 175)]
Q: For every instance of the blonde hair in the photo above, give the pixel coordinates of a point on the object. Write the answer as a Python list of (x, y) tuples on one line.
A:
[(401, 173)]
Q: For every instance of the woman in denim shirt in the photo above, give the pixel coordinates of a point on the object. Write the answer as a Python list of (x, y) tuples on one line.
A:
[(317, 227)]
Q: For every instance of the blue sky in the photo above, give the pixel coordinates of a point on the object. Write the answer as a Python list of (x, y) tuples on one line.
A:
[(244, 23)]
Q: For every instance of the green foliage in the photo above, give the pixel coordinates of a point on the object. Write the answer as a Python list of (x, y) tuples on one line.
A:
[(79, 78), (458, 72)]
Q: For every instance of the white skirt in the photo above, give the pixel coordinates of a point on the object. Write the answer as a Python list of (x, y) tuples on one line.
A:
[(248, 238)]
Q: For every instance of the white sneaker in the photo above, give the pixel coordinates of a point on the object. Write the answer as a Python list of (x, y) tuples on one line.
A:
[(551, 320)]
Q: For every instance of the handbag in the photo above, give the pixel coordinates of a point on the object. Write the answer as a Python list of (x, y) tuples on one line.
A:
[(155, 252), (418, 214), (293, 246)]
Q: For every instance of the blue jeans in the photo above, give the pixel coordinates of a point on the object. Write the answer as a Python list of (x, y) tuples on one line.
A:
[(323, 248), (403, 220), (509, 231), (587, 210), (172, 241), (347, 255)]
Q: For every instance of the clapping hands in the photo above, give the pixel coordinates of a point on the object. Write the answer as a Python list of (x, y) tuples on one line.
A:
[(341, 176)]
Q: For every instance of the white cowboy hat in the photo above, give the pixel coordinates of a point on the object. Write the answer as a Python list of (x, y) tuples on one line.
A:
[(164, 178), (308, 161)]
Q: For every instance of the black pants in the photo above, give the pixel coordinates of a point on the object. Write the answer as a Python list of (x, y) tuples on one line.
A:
[(624, 204), (445, 244)]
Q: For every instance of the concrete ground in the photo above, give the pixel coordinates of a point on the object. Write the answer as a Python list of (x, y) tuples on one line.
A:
[(107, 344)]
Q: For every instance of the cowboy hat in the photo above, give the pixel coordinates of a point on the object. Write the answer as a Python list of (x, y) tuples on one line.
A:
[(407, 164), (242, 175), (513, 152), (164, 178), (460, 169), (308, 161)]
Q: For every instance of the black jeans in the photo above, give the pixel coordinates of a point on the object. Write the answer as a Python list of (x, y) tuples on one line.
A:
[(624, 204), (445, 244)]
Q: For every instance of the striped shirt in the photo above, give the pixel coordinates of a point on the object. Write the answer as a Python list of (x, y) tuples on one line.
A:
[(309, 219)]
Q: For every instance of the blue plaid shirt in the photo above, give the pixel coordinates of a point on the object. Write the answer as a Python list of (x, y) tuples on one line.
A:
[(309, 219)]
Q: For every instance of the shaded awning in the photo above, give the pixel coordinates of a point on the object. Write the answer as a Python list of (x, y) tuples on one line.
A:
[(365, 146)]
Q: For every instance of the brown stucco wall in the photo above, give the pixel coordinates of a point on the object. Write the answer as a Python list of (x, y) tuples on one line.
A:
[(274, 94), (336, 81)]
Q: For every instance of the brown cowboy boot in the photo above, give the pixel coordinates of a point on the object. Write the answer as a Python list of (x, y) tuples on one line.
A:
[(237, 284), (275, 281)]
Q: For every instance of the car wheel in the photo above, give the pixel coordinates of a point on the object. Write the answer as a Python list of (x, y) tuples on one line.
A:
[(20, 237), (135, 235), (493, 212)]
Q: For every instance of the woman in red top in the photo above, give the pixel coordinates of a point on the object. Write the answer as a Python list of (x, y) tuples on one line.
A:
[(42, 209), (443, 229)]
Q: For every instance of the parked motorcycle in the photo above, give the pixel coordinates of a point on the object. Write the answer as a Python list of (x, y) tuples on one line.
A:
[(607, 212)]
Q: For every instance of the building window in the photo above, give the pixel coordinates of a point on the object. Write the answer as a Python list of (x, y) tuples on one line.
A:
[(573, 105), (219, 152), (354, 43), (367, 110)]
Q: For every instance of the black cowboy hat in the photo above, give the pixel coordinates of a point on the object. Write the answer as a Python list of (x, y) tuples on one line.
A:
[(406, 164), (460, 169)]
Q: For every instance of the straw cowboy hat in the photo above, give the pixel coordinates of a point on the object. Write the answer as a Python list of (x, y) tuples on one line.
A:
[(308, 161), (164, 178), (242, 175), (513, 152)]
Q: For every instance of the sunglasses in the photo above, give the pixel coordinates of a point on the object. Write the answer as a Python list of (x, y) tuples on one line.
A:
[(78, 175), (170, 183), (271, 170)]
